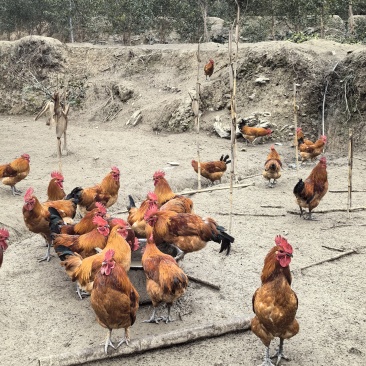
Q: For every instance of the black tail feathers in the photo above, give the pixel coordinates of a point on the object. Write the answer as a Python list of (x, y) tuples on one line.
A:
[(75, 195), (224, 239), (55, 221), (63, 252), (299, 187), (225, 159), (242, 123), (132, 203)]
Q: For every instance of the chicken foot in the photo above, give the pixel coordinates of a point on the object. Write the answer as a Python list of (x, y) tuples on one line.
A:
[(279, 353), (81, 292), (267, 360), (108, 342), (153, 318), (15, 191), (126, 339), (48, 255), (167, 319)]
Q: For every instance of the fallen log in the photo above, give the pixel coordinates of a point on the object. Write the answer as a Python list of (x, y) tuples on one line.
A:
[(147, 344)]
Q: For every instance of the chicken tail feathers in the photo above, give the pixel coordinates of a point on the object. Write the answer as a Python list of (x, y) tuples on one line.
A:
[(299, 187), (225, 239), (132, 203), (63, 252), (225, 158), (75, 195), (56, 221), (242, 123)]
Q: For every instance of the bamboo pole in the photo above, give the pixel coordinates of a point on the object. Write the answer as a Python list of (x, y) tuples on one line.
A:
[(196, 107), (295, 123), (350, 166), (149, 343)]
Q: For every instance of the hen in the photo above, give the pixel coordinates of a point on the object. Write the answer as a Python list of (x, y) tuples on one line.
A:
[(37, 218), (188, 232), (14, 172), (114, 299), (165, 280), (252, 133), (4, 236), (136, 215), (83, 271), (106, 192), (212, 170), (167, 199), (209, 68), (55, 190), (301, 138), (309, 193), (85, 244), (272, 167), (310, 152), (275, 303)]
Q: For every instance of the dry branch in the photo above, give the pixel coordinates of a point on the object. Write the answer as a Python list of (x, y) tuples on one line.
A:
[(147, 344), (216, 188), (203, 282), (249, 214), (349, 252), (344, 191), (341, 225), (296, 212)]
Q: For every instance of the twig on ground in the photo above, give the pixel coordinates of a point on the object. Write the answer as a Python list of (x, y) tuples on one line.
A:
[(332, 248), (296, 212), (346, 191), (340, 225), (250, 214), (217, 188), (270, 206), (203, 282)]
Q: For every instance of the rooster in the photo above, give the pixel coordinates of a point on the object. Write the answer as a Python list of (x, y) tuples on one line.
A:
[(4, 236), (309, 193), (275, 303), (14, 172), (106, 192), (310, 152), (188, 232), (136, 215), (55, 190), (167, 199), (85, 244), (252, 133), (120, 239), (272, 167), (301, 138), (209, 68), (37, 217), (212, 170), (114, 299), (165, 280)]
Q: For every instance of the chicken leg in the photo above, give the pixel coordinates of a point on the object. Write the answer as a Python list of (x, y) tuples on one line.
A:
[(153, 318), (126, 339), (15, 191), (108, 342), (279, 354), (167, 319), (267, 360), (48, 255)]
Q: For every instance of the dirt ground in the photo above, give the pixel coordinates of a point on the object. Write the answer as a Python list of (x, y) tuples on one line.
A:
[(42, 315)]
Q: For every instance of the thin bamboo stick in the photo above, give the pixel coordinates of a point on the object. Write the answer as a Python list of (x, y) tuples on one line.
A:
[(350, 166), (295, 123)]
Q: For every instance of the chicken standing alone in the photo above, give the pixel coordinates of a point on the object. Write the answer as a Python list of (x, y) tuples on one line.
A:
[(209, 68), (252, 133), (14, 172), (212, 170), (272, 167), (4, 236), (114, 299), (275, 303)]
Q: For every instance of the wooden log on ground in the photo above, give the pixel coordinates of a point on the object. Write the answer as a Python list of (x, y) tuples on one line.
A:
[(147, 344)]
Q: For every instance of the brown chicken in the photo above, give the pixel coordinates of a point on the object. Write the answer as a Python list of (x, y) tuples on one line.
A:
[(165, 280), (85, 225), (136, 215), (310, 152), (85, 244), (275, 303), (55, 190), (272, 167), (209, 68), (4, 236), (167, 199), (83, 271), (114, 299), (37, 217), (14, 172), (188, 232), (212, 170), (301, 138), (252, 133), (106, 192), (309, 193)]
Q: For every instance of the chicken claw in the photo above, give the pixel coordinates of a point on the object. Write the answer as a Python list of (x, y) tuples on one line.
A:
[(15, 192), (81, 293), (126, 339), (279, 353), (108, 342), (153, 318), (267, 359), (48, 255)]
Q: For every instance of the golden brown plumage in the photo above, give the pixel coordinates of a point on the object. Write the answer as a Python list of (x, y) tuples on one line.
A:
[(189, 232), (165, 280), (275, 303), (83, 271), (310, 152), (272, 167), (37, 217), (209, 68), (136, 215), (212, 170), (14, 172), (252, 133), (55, 190), (167, 199), (309, 193), (114, 299), (4, 236), (106, 192)]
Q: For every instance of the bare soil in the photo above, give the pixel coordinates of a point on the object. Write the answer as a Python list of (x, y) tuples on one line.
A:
[(41, 313)]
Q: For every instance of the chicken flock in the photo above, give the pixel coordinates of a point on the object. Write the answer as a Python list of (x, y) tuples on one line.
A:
[(95, 250)]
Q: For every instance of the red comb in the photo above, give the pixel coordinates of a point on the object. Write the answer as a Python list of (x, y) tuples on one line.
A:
[(298, 129), (323, 159), (98, 220), (101, 208), (282, 242), (108, 255), (151, 211), (159, 174), (57, 175), (115, 169), (152, 196), (26, 156), (4, 232), (28, 195), (120, 222), (272, 147)]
